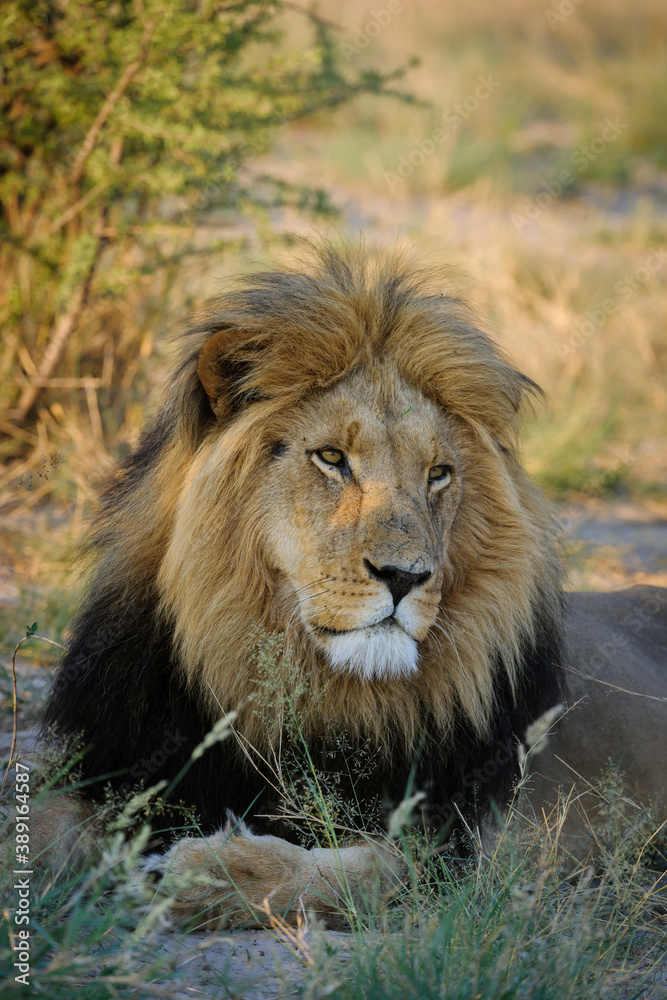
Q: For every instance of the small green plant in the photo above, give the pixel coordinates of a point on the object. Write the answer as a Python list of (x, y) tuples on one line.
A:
[(317, 797)]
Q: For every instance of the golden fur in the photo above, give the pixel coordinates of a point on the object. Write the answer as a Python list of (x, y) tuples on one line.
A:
[(331, 334)]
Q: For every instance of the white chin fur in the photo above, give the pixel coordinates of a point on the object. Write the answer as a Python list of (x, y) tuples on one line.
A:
[(382, 652)]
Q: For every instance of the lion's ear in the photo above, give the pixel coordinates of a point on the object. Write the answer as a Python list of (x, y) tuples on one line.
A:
[(223, 364), (212, 375)]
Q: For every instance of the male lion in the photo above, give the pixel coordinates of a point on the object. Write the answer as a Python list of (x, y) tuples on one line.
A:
[(335, 463)]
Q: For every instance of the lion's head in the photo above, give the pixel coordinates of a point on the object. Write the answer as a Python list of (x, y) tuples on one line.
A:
[(356, 487)]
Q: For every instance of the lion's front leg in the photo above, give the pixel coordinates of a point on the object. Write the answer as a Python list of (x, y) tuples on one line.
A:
[(65, 834), (227, 879)]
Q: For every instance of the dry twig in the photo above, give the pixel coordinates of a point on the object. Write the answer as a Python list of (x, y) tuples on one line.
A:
[(15, 706)]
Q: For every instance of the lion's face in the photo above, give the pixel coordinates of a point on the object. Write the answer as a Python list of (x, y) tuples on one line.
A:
[(363, 491)]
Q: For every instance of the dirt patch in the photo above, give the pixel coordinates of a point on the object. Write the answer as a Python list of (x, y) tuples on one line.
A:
[(617, 544)]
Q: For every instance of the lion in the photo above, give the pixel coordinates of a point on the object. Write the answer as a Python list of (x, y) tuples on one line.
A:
[(336, 465)]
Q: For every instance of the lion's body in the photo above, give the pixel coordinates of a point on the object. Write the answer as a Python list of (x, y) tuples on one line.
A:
[(335, 464), (616, 663)]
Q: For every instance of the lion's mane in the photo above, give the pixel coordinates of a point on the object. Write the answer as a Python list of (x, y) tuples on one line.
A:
[(161, 647)]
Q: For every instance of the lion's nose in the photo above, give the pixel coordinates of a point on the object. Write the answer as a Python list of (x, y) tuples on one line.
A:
[(399, 581)]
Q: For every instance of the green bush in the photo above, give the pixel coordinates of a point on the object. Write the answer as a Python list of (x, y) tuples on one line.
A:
[(121, 122)]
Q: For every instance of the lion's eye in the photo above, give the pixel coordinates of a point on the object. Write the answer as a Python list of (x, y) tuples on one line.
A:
[(440, 475), (332, 456)]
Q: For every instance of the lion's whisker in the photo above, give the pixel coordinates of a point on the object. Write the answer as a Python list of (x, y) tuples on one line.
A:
[(464, 673), (437, 642), (459, 628), (313, 583), (312, 597), (297, 604)]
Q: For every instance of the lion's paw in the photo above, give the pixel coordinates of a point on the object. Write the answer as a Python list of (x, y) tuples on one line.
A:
[(193, 876), (235, 878)]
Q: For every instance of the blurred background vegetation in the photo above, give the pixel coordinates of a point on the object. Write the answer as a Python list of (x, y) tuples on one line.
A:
[(126, 125), (149, 149)]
